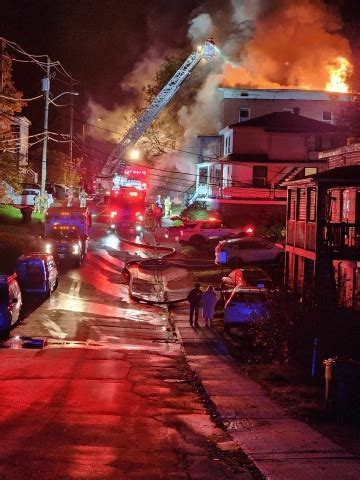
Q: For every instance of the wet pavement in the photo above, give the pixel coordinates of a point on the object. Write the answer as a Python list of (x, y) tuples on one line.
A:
[(110, 396)]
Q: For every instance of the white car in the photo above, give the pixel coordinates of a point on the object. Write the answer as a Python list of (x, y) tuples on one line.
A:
[(199, 232), (27, 197), (247, 250)]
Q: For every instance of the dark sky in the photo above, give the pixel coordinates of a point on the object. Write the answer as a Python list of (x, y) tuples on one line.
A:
[(99, 41)]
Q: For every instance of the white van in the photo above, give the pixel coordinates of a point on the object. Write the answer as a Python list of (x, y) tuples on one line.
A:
[(239, 251)]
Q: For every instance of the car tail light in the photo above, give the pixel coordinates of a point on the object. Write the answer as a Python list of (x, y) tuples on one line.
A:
[(249, 230)]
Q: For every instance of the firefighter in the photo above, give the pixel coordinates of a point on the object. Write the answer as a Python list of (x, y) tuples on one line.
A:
[(167, 206), (70, 196), (82, 198), (158, 214), (37, 204)]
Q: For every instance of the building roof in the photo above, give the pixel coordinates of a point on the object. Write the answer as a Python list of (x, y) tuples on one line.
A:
[(349, 175), (282, 94), (287, 122)]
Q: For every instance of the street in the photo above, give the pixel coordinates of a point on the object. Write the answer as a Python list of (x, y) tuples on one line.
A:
[(111, 396)]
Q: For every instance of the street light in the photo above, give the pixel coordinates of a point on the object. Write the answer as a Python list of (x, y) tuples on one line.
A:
[(134, 154), (46, 90)]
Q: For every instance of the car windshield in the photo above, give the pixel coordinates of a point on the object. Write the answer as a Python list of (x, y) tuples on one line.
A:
[(64, 235), (244, 297)]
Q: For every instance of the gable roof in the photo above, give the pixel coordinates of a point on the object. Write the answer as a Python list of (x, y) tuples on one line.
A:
[(349, 175), (287, 122)]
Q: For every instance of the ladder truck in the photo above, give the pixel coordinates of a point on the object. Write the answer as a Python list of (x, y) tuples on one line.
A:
[(116, 162)]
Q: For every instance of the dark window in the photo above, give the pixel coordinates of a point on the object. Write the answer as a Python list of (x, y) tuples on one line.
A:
[(259, 176), (327, 116), (311, 205), (244, 114), (208, 225), (217, 177), (203, 176)]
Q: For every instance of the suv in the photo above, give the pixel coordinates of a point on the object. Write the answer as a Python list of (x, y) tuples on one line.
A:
[(245, 305), (10, 302), (239, 251), (37, 273), (203, 231)]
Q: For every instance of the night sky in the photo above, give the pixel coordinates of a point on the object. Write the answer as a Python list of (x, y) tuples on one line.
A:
[(99, 41)]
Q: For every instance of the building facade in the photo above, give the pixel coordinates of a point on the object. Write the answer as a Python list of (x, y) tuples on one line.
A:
[(323, 232), (242, 104), (256, 157)]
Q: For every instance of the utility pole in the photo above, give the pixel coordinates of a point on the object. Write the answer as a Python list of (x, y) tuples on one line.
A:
[(2, 46), (71, 125), (46, 90)]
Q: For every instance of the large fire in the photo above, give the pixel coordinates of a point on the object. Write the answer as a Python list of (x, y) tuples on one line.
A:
[(339, 72)]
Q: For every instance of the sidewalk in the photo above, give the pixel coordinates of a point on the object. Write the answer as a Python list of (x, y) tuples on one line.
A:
[(281, 447)]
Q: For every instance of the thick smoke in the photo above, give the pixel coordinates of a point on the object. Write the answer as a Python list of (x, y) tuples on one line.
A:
[(266, 44)]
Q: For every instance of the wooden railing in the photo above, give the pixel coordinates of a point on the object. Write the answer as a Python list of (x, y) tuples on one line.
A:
[(301, 234), (342, 235)]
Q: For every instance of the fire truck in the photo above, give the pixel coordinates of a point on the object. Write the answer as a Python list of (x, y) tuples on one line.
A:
[(115, 166), (127, 200)]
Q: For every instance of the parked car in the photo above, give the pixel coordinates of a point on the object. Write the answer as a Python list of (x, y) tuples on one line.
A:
[(239, 251), (200, 232), (37, 273), (27, 197), (10, 303), (245, 305), (245, 277)]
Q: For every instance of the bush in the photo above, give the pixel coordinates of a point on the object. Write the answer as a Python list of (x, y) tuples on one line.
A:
[(196, 211), (276, 336)]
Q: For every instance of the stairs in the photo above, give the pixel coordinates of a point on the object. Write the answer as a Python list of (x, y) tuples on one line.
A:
[(290, 174)]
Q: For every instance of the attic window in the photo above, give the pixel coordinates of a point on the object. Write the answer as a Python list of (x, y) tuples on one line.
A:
[(244, 114), (327, 117)]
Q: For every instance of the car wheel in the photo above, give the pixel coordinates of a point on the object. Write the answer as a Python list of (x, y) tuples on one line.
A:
[(197, 240), (236, 262)]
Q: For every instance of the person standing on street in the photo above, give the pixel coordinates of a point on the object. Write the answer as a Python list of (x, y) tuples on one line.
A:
[(82, 198), (158, 214), (194, 298), (70, 196), (208, 301)]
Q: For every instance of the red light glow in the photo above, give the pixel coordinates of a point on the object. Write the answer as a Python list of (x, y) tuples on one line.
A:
[(249, 230)]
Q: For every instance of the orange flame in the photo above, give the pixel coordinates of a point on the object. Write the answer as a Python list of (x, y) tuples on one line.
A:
[(339, 72)]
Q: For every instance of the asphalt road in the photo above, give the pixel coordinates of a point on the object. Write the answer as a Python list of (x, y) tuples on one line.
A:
[(111, 396)]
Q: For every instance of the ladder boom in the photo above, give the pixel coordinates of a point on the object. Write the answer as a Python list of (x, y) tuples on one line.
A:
[(116, 161)]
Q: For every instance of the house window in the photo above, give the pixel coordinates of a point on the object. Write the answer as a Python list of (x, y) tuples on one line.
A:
[(290, 110), (301, 205), (244, 114), (345, 205), (217, 177), (311, 205), (310, 171), (292, 204), (203, 176), (259, 176), (227, 145), (327, 117)]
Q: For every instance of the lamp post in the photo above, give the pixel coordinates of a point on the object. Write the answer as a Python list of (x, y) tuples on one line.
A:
[(46, 90)]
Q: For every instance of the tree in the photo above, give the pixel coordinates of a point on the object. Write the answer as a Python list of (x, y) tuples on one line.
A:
[(9, 166), (59, 168), (164, 132)]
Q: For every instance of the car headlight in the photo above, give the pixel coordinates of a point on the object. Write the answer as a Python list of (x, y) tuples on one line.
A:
[(138, 228), (76, 249), (113, 226), (140, 218), (48, 248)]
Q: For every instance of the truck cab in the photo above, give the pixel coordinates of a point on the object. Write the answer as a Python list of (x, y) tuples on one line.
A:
[(64, 243)]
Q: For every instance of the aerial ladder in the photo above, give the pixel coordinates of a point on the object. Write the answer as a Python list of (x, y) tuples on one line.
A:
[(116, 161)]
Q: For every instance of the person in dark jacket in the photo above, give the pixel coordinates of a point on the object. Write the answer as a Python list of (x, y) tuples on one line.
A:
[(194, 298)]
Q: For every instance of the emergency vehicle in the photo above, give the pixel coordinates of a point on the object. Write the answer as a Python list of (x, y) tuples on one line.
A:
[(68, 225)]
